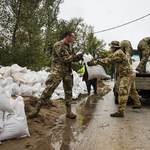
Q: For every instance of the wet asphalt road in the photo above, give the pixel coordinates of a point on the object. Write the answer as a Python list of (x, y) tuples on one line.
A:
[(94, 129)]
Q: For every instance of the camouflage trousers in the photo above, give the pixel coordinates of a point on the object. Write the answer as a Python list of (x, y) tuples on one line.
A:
[(127, 86), (53, 81), (144, 53)]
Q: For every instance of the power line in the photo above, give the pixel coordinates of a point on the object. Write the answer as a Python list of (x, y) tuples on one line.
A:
[(122, 24)]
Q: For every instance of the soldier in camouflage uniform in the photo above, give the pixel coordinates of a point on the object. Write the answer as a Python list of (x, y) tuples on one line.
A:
[(144, 53), (126, 47), (63, 54), (127, 76)]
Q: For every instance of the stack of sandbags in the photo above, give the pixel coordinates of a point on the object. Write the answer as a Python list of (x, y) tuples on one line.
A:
[(13, 123), (24, 82)]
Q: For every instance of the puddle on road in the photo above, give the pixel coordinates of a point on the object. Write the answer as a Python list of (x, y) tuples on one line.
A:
[(87, 108), (67, 132)]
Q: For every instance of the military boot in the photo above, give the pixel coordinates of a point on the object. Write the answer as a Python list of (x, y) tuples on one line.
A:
[(117, 114), (70, 114), (136, 107), (36, 110)]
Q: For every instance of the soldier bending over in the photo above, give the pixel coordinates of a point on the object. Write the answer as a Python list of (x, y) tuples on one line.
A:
[(144, 53)]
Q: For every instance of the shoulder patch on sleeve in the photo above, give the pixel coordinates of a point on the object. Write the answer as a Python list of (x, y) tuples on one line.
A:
[(62, 52)]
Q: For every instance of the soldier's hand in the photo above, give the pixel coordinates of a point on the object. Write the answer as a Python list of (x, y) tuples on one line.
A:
[(90, 63), (80, 56)]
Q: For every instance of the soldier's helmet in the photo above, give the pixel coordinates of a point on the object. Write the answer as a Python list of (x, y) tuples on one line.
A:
[(114, 44)]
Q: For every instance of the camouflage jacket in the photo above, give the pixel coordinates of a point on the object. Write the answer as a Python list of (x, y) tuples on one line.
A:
[(144, 44), (145, 40), (120, 61), (127, 49), (63, 55)]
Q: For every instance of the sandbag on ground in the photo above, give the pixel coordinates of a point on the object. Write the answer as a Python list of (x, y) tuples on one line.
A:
[(15, 125)]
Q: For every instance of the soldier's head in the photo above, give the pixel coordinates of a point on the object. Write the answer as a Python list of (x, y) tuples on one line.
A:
[(68, 37), (114, 45)]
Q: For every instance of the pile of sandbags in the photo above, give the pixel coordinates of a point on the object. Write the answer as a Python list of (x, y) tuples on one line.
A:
[(13, 122), (20, 81)]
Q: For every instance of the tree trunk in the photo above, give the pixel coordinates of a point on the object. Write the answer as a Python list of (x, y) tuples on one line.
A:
[(15, 30)]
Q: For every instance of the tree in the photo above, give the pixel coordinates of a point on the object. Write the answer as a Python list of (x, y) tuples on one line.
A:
[(25, 26), (51, 11), (85, 41), (94, 46)]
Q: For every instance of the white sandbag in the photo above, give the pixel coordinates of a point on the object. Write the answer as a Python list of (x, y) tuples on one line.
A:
[(42, 76), (18, 106), (135, 62), (11, 90), (42, 89), (75, 94), (7, 73), (5, 104), (94, 71), (1, 120), (75, 78), (3, 82), (60, 86), (55, 96), (9, 80), (25, 90), (17, 68), (3, 116), (60, 93), (8, 91), (15, 89), (36, 87), (31, 77), (3, 70), (43, 73), (41, 79), (15, 125), (18, 77), (77, 91), (147, 68)]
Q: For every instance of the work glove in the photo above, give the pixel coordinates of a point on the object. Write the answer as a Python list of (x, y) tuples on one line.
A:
[(90, 63), (80, 56)]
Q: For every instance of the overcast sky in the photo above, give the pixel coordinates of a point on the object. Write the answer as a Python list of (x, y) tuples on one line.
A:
[(105, 14)]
